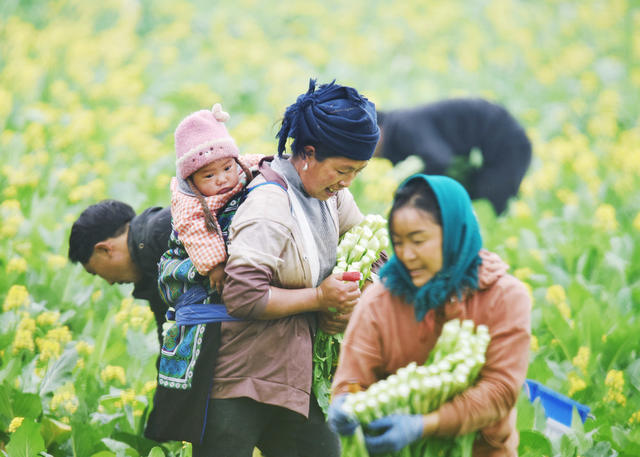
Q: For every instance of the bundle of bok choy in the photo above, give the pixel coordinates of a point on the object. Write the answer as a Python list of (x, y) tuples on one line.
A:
[(453, 366), (358, 249)]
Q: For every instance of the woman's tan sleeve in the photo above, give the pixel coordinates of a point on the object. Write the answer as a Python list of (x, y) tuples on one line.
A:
[(507, 359)]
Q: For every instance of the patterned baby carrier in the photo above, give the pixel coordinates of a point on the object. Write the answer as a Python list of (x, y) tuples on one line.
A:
[(190, 343)]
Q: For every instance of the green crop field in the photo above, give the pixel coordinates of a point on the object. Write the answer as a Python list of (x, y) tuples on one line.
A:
[(91, 92)]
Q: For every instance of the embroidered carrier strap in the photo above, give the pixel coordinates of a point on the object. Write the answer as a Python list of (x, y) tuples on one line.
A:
[(190, 309), (203, 313)]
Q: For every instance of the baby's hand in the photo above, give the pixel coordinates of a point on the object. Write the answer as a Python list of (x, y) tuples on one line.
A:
[(216, 277)]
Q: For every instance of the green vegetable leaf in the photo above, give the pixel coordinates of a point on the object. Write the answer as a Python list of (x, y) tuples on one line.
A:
[(120, 448), (602, 449), (156, 452), (59, 372), (633, 372), (27, 405), (534, 443), (526, 413), (54, 431), (85, 438), (26, 441), (567, 446), (5, 403)]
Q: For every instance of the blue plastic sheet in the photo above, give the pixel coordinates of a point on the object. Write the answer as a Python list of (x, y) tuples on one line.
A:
[(556, 406)]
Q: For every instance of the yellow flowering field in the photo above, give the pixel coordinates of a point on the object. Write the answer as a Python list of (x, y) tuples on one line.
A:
[(90, 94)]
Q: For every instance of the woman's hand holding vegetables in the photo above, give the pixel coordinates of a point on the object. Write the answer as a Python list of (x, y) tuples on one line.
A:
[(398, 431), (339, 420), (332, 323), (336, 295)]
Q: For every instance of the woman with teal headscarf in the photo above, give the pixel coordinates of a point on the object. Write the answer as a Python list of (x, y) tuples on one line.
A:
[(439, 271)]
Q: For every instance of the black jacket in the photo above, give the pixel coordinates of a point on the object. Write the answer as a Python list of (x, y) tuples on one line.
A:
[(148, 239), (441, 132)]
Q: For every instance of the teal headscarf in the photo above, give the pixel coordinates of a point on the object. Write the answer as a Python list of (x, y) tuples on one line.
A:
[(461, 242)]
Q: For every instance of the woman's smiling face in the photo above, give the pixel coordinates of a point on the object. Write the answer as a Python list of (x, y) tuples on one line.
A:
[(417, 242), (323, 179)]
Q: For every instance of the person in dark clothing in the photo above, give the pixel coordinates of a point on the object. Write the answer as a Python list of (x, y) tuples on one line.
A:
[(444, 134), (110, 241)]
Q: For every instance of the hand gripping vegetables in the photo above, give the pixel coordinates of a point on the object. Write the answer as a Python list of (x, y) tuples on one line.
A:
[(452, 367), (358, 249)]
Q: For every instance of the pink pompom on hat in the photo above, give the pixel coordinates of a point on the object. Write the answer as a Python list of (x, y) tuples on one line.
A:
[(202, 138)]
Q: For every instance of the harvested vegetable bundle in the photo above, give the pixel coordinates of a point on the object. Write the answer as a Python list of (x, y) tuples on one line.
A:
[(453, 366), (358, 249), (361, 246)]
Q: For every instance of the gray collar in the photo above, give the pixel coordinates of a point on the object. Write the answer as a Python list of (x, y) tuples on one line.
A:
[(289, 172)]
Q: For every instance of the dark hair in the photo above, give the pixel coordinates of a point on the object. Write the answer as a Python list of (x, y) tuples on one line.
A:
[(321, 152), (418, 194), (209, 220), (96, 223)]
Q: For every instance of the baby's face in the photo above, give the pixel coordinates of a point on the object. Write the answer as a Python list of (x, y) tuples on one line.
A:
[(216, 178)]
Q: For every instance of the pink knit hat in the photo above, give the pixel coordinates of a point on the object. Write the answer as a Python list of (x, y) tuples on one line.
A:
[(202, 138)]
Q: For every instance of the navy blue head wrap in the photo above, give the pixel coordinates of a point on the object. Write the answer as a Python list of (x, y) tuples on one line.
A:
[(461, 242), (334, 117)]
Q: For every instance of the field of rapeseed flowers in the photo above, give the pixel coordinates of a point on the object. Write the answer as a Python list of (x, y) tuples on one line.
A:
[(90, 93)]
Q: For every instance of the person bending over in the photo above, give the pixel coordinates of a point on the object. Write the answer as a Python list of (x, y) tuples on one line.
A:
[(444, 134), (111, 241)]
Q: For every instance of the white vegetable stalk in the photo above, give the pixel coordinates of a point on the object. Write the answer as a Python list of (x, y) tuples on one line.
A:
[(361, 246), (358, 249)]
